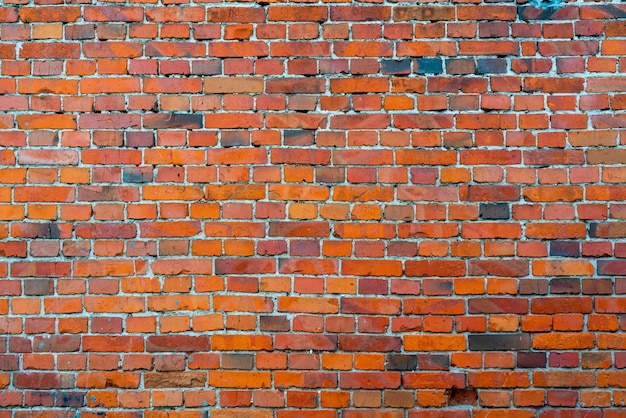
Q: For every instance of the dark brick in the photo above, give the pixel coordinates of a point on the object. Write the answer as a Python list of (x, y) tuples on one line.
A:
[(137, 174), (304, 248), (401, 362), (462, 397), (437, 287), (494, 211), (491, 66), (38, 287), (173, 121), (70, 399), (493, 30), (433, 362), (274, 323), (597, 286), (235, 138), (429, 66), (499, 342), (38, 398), (595, 360), (80, 32), (501, 268), (238, 361), (565, 249), (457, 66), (139, 139), (111, 31), (20, 345), (206, 67), (607, 230), (299, 137), (160, 343), (9, 362), (533, 287), (565, 285), (369, 343), (567, 359), (396, 67), (531, 359)]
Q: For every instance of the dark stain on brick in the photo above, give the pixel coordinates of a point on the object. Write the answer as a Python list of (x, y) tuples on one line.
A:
[(611, 11), (540, 10), (137, 174), (235, 138), (39, 398), (499, 342), (437, 287), (238, 361), (299, 137), (461, 397), (48, 230), (70, 399)]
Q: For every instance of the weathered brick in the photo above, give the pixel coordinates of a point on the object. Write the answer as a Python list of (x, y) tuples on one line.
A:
[(498, 342), (315, 185)]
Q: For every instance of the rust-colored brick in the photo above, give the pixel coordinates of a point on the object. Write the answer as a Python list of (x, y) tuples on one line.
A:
[(312, 209)]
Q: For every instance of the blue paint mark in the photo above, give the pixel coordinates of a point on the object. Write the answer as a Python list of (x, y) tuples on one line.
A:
[(540, 9), (546, 4)]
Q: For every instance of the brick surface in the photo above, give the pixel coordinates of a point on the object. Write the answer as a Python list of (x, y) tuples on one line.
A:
[(312, 209)]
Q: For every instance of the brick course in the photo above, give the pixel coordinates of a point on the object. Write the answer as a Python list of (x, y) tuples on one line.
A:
[(317, 209)]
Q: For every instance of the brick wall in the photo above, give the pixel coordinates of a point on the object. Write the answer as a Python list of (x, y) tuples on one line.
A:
[(328, 209)]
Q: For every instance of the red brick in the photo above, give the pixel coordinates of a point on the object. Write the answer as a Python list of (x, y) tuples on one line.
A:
[(222, 197)]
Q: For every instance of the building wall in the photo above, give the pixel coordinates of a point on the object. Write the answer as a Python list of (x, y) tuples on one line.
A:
[(312, 209)]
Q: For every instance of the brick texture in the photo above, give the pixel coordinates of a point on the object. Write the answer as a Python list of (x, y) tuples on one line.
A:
[(312, 209)]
